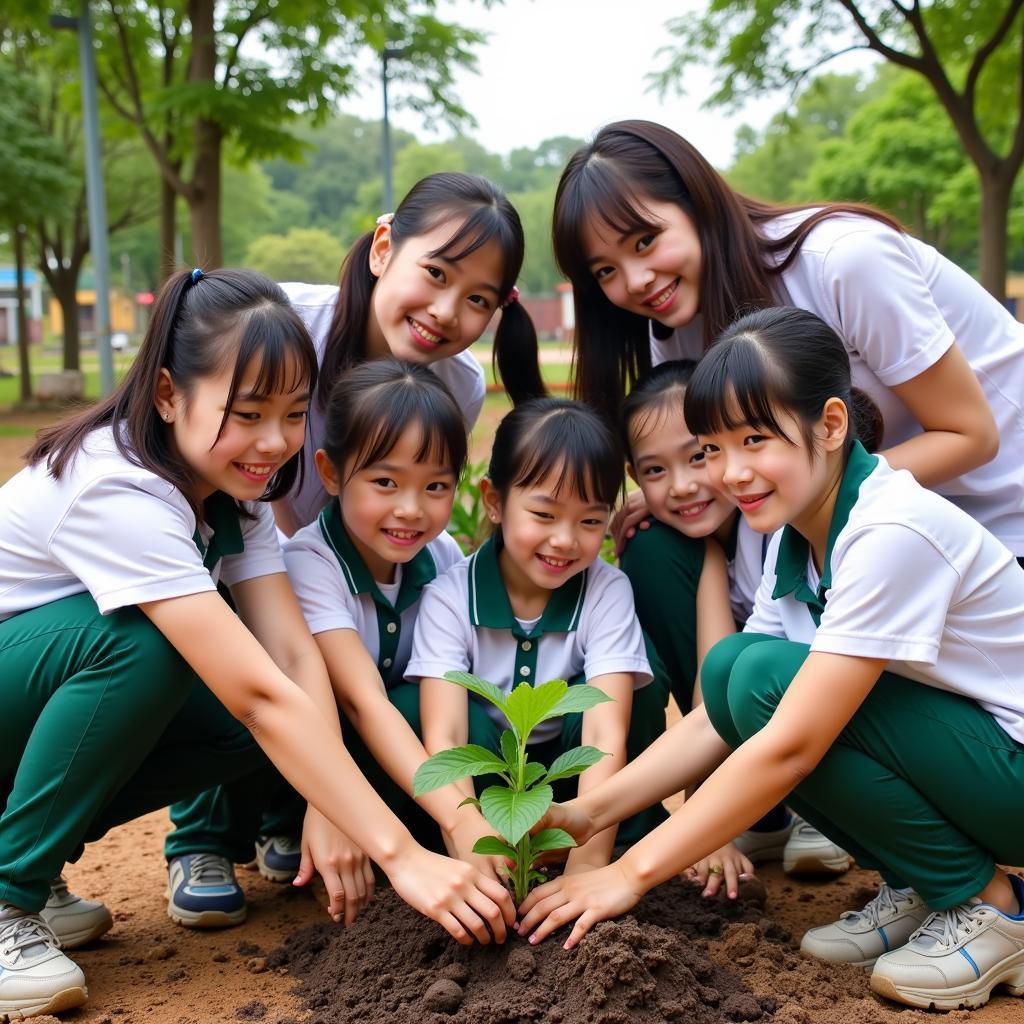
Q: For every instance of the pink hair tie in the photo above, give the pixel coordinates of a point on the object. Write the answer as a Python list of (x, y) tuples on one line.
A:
[(513, 296), (385, 218)]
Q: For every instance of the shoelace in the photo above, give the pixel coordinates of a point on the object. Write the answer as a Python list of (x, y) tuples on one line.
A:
[(886, 902), (803, 828), (210, 869), (21, 932), (947, 927), (288, 844)]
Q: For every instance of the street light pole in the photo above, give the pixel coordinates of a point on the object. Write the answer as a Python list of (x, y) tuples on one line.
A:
[(388, 53)]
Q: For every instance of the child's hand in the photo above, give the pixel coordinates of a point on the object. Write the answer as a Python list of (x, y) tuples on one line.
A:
[(460, 840), (628, 519), (587, 898), (731, 864), (570, 818), (345, 869), (581, 860), (465, 902)]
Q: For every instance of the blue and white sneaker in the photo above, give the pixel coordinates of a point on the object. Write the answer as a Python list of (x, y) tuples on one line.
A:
[(278, 857), (203, 892)]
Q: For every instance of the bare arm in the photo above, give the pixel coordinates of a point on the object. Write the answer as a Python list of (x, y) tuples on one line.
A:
[(714, 612), (284, 516), (959, 431)]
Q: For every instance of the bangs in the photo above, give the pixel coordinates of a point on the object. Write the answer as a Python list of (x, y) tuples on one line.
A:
[(654, 414), (733, 386), (482, 225), (580, 456)]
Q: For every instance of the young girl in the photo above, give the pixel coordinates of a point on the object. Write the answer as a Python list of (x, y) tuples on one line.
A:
[(422, 286), (663, 255), (882, 671), (121, 665), (536, 602), (394, 447), (689, 594)]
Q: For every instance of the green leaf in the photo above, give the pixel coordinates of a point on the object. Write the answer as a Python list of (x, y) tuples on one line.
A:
[(449, 765), (533, 772), (550, 839), (492, 846), (527, 705), (481, 687), (510, 751), (579, 698), (537, 876), (514, 814), (470, 801), (574, 761)]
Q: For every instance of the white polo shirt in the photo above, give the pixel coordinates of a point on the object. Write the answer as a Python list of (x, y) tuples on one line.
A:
[(588, 628), (745, 565), (337, 591), (314, 303), (899, 305), (908, 577), (122, 533)]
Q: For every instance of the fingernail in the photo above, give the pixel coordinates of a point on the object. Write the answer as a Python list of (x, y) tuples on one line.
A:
[(533, 940)]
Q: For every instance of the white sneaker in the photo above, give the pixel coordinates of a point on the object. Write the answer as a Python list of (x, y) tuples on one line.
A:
[(278, 857), (956, 958), (860, 937), (808, 852), (759, 847), (35, 976), (73, 920)]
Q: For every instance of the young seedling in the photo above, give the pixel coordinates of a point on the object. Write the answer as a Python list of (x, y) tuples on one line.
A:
[(516, 806)]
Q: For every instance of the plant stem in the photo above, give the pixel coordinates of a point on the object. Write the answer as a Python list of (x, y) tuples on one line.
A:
[(522, 872)]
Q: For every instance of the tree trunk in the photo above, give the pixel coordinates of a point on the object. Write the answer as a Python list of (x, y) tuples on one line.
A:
[(995, 211), (64, 284), (24, 370), (204, 204), (168, 228)]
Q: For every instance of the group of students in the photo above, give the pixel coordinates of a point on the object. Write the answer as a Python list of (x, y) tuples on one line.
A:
[(824, 419)]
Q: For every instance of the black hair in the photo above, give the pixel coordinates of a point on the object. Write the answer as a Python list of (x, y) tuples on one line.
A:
[(485, 214), (778, 360), (630, 161), (654, 393), (200, 324), (372, 405), (557, 436)]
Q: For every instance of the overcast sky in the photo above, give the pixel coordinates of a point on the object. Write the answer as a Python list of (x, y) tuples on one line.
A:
[(566, 67)]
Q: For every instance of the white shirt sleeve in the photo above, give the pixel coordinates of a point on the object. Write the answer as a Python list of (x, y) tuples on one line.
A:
[(464, 376), (886, 311), (442, 640), (262, 555), (128, 545), (610, 635), (765, 617), (899, 613), (324, 596)]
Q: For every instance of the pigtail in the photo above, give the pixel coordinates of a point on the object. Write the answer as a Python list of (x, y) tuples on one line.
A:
[(516, 360), (866, 420), (346, 337)]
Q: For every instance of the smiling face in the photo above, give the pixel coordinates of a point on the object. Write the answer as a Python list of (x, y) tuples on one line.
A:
[(426, 307), (393, 507), (653, 272), (548, 536), (668, 463), (260, 434)]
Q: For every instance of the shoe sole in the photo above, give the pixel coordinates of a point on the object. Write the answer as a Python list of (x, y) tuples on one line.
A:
[(206, 918), (811, 864), (66, 999), (278, 875), (864, 965), (84, 936), (965, 997)]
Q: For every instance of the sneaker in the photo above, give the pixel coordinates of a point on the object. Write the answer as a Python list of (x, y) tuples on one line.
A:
[(808, 852), (203, 892), (278, 857), (759, 847), (956, 958), (860, 937), (73, 920), (35, 976)]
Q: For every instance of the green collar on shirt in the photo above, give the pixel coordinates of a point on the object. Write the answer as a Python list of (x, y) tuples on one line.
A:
[(489, 605), (791, 562), (220, 513), (416, 573)]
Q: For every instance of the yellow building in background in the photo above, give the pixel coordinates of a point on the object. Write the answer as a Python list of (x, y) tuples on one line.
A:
[(122, 312)]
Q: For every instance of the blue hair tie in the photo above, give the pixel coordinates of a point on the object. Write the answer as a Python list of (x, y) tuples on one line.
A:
[(197, 273)]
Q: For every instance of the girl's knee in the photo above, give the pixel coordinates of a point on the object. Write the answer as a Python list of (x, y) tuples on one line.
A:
[(760, 676)]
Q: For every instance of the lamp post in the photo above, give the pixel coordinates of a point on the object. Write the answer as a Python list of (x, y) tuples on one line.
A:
[(95, 196), (388, 53)]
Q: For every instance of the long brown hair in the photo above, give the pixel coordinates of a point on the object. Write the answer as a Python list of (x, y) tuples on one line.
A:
[(632, 160)]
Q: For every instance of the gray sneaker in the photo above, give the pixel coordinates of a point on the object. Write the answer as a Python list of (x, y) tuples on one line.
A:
[(955, 959), (73, 920), (35, 976), (860, 937), (809, 852)]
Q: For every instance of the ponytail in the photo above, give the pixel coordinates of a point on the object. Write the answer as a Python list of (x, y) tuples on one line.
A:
[(866, 421), (516, 361)]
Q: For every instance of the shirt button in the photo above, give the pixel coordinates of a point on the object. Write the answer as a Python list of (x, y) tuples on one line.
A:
[(526, 645), (525, 670), (387, 663), (392, 627)]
